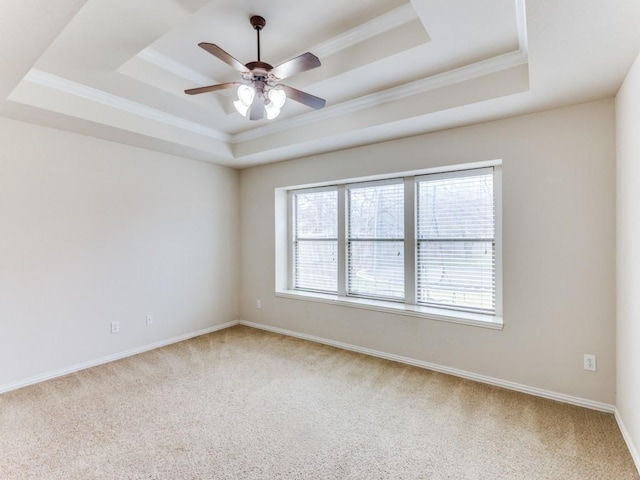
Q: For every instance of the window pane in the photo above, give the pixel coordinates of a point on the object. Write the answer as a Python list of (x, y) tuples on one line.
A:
[(316, 265), (457, 274), (455, 242), (376, 211), (459, 207), (376, 246), (315, 241), (376, 269), (316, 214)]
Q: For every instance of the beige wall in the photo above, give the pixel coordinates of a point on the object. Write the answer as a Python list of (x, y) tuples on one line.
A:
[(92, 232), (559, 258), (628, 261)]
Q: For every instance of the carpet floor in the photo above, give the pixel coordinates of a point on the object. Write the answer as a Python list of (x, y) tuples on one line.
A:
[(246, 404)]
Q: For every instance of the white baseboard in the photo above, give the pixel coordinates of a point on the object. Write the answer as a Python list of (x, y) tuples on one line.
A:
[(635, 453), (345, 346), (538, 392), (110, 358)]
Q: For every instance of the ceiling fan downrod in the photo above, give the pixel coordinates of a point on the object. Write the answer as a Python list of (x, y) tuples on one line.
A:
[(258, 23)]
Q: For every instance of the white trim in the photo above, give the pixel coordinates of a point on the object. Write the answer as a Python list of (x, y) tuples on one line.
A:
[(518, 387), (468, 72), (7, 387), (398, 308), (407, 173), (154, 57), (410, 278), (521, 21), (54, 82), (372, 28), (633, 450), (470, 172), (406, 305), (376, 26)]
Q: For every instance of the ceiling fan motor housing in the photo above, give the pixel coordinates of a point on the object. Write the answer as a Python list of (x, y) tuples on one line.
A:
[(257, 22)]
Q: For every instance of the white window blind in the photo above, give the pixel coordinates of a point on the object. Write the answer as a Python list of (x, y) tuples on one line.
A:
[(456, 241), (315, 238), (375, 240)]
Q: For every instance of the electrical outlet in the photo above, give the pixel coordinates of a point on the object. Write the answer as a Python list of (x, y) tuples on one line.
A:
[(115, 327), (590, 362), (258, 304), (149, 320)]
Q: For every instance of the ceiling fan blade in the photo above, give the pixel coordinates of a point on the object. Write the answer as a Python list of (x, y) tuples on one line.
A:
[(300, 64), (303, 97), (224, 56), (256, 111), (211, 88)]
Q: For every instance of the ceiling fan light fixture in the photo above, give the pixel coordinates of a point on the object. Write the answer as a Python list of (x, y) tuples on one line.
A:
[(277, 97), (271, 110), (257, 95), (275, 102), (246, 93), (241, 108)]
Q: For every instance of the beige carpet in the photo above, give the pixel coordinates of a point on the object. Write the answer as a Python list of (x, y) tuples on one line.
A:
[(245, 404)]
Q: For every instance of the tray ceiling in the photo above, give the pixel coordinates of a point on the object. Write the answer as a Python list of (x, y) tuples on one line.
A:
[(390, 68)]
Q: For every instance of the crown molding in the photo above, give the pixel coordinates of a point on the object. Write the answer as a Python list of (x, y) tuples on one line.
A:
[(154, 57), (55, 82), (521, 25), (374, 27), (370, 29), (468, 72)]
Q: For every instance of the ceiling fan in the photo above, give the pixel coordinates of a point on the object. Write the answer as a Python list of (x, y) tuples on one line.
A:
[(260, 94)]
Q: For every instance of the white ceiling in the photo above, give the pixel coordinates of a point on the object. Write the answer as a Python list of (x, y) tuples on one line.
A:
[(117, 69)]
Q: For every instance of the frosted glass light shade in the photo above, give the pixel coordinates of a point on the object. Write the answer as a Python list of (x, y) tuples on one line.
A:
[(241, 108), (245, 97), (246, 94), (272, 111), (277, 97)]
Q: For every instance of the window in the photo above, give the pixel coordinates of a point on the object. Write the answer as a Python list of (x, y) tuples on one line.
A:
[(426, 244), (456, 241), (316, 240), (375, 241)]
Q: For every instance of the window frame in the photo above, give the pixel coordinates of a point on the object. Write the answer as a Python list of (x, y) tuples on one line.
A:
[(348, 238), (408, 306), (292, 234), (449, 175)]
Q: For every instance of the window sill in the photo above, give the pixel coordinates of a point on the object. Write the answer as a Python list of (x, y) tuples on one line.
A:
[(442, 315)]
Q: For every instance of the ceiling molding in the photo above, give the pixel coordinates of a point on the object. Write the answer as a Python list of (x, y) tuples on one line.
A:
[(49, 80), (383, 23), (468, 72), (485, 67), (376, 26), (156, 58), (521, 22)]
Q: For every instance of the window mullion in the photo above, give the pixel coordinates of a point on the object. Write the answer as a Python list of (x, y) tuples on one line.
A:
[(409, 241), (497, 208), (291, 214), (342, 242)]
